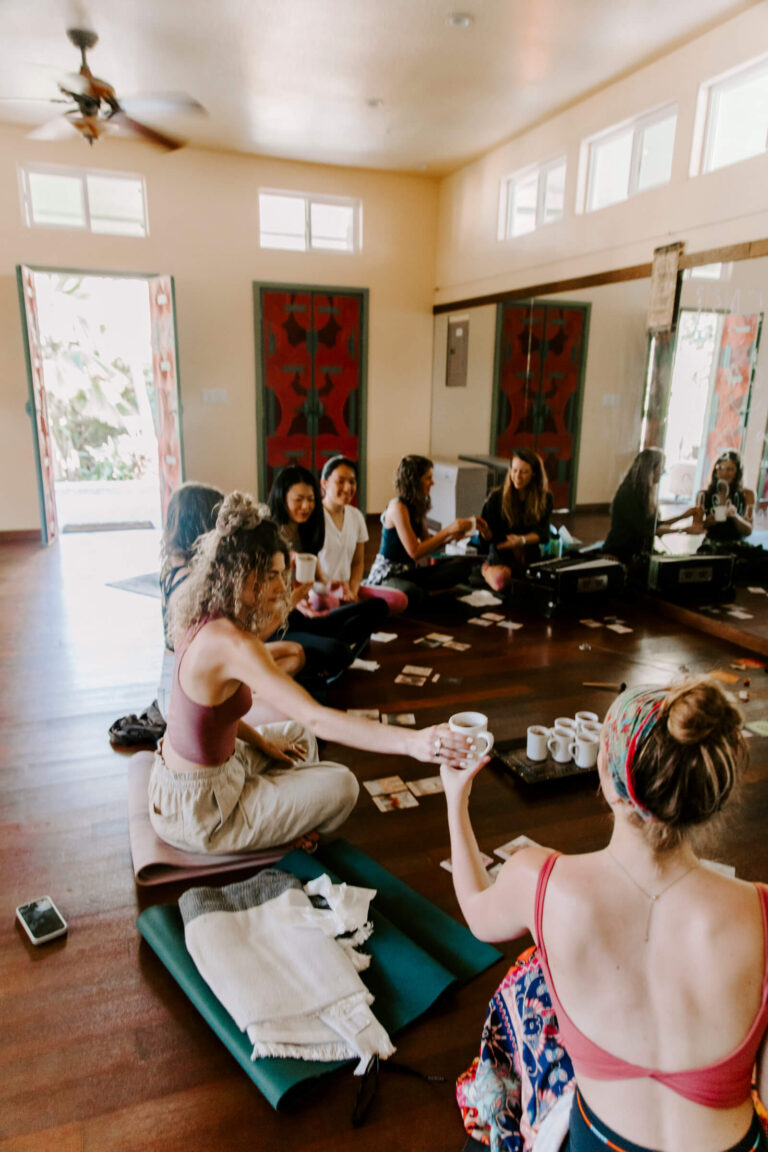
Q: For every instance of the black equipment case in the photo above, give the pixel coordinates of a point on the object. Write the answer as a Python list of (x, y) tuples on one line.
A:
[(688, 577), (575, 579)]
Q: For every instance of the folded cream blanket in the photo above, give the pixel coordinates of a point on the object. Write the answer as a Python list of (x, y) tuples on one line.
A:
[(272, 957)]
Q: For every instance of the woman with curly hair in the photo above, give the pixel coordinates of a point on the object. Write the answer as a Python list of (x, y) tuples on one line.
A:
[(516, 519), (191, 513), (406, 541), (656, 966), (725, 508), (218, 785)]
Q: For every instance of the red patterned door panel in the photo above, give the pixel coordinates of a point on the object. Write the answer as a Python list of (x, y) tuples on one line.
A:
[(540, 367), (336, 376), (733, 383), (286, 336)]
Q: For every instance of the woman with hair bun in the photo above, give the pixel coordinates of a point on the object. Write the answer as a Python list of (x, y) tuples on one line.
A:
[(218, 785), (656, 966)]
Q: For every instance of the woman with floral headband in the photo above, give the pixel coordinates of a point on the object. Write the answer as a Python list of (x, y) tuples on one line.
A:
[(656, 966)]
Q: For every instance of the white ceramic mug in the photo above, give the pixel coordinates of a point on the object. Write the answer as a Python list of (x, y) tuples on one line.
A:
[(590, 729), (584, 718), (566, 722), (473, 725), (559, 744), (720, 511), (584, 751), (305, 567), (536, 744)]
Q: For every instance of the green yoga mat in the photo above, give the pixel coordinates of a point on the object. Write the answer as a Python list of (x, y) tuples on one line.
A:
[(417, 953)]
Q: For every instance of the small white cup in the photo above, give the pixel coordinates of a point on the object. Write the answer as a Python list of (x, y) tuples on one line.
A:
[(590, 729), (473, 725), (559, 745), (536, 744), (566, 722), (584, 751), (720, 511), (583, 718), (305, 567)]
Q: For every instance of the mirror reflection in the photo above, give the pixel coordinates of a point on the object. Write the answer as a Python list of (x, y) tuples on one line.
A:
[(574, 377)]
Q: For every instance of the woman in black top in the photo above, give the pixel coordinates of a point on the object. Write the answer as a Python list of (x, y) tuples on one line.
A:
[(330, 639), (726, 492), (516, 519), (406, 540), (634, 509)]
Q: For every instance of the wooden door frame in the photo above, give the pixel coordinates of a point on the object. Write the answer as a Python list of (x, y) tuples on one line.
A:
[(261, 286), (545, 302), (30, 403)]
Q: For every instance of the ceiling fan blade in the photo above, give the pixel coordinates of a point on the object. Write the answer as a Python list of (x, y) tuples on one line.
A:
[(162, 104), (60, 128), (150, 134), (75, 82)]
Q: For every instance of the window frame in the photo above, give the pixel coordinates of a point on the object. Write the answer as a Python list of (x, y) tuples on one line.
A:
[(309, 199), (709, 94), (523, 175), (638, 126), (80, 174)]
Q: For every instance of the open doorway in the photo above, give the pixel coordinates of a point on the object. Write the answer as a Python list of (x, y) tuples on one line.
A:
[(104, 397), (97, 372)]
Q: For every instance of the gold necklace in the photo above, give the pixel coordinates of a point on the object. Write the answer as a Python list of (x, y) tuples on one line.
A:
[(649, 895)]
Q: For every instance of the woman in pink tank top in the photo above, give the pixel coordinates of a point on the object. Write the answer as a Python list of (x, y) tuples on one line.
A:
[(656, 965), (218, 784)]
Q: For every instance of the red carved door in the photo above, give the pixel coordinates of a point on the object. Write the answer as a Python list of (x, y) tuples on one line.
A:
[(311, 403), (540, 359)]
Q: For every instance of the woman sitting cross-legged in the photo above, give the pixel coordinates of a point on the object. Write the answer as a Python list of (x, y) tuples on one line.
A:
[(657, 967), (725, 508), (516, 517), (342, 559), (218, 785), (331, 639), (405, 539)]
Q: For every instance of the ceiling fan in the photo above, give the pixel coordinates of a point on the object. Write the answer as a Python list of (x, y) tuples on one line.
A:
[(96, 107)]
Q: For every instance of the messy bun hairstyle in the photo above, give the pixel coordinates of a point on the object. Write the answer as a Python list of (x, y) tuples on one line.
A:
[(687, 768), (244, 540)]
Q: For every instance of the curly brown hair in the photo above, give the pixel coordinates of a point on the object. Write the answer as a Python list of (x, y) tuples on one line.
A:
[(244, 540), (408, 485)]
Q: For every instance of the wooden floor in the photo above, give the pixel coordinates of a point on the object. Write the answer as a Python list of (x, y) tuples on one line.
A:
[(101, 1050)]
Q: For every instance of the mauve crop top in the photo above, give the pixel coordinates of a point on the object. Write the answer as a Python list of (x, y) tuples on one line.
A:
[(203, 733), (725, 1084)]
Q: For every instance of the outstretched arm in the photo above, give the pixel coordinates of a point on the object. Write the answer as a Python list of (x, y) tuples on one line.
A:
[(500, 911), (416, 548)]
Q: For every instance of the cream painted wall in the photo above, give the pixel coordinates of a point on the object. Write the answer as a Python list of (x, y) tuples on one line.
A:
[(461, 417), (203, 215), (719, 208)]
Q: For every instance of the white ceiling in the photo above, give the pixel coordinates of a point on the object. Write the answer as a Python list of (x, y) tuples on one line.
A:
[(293, 78)]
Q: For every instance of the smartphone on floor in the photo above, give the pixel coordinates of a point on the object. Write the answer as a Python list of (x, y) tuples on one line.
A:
[(41, 920)]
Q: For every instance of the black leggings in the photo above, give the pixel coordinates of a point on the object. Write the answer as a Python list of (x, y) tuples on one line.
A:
[(331, 642), (418, 582), (587, 1133)]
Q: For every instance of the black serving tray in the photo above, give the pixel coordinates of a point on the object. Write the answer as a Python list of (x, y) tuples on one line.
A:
[(512, 755)]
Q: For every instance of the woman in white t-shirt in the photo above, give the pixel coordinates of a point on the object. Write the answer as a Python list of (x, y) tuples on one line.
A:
[(342, 559)]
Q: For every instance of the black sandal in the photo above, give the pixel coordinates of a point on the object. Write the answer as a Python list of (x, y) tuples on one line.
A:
[(133, 731)]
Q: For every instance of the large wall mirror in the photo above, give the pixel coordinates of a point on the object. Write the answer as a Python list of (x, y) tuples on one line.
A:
[(714, 394)]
